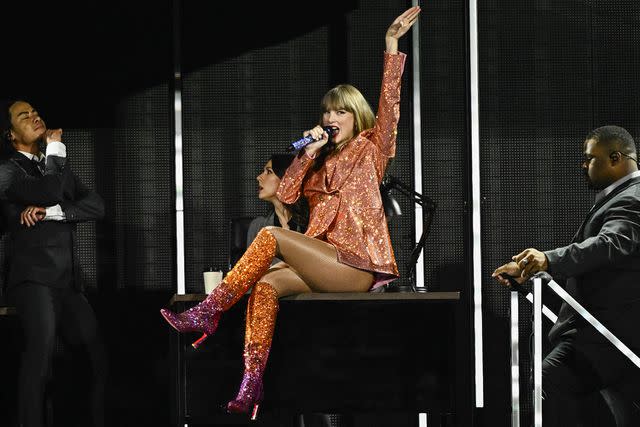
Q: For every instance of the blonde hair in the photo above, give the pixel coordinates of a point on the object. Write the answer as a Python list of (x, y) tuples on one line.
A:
[(348, 98)]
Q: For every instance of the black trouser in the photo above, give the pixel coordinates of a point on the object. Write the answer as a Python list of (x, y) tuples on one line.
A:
[(44, 312), (568, 376)]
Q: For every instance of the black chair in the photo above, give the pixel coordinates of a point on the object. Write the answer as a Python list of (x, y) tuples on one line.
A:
[(238, 228)]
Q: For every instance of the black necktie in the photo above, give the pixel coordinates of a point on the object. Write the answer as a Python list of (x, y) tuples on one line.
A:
[(39, 164)]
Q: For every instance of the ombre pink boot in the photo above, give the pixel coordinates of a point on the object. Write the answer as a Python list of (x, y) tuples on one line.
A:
[(205, 316), (201, 318), (261, 320)]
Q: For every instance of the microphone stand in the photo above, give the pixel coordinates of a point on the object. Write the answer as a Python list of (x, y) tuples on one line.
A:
[(429, 207)]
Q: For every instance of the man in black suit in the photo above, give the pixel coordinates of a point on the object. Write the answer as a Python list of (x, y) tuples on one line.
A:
[(602, 270), (41, 200)]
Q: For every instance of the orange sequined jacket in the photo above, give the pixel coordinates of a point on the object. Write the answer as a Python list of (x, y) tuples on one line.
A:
[(344, 194)]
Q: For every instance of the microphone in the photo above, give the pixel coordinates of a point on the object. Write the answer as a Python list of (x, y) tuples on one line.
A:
[(303, 142)]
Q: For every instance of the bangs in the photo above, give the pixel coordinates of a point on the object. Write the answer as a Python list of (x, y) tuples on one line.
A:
[(335, 100), (347, 98)]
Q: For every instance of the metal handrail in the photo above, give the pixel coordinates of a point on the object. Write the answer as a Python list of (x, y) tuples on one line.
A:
[(538, 310)]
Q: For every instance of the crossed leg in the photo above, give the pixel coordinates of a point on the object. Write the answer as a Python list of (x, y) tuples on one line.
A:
[(311, 265)]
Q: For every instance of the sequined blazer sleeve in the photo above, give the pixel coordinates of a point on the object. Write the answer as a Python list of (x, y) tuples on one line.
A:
[(384, 130), (382, 135), (290, 187)]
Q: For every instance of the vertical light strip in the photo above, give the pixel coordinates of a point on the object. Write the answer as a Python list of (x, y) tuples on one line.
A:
[(417, 160), (515, 362), (537, 352), (417, 144), (475, 194), (177, 113), (422, 420), (179, 193)]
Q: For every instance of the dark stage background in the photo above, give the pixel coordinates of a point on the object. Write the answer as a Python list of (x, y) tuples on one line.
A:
[(549, 73)]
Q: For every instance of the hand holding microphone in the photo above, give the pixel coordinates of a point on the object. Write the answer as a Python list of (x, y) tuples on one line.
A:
[(313, 139)]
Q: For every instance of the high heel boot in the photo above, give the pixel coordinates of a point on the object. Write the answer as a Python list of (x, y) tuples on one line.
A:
[(261, 319), (205, 316)]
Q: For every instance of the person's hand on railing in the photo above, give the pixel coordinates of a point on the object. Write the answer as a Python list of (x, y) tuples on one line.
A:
[(507, 273), (530, 261)]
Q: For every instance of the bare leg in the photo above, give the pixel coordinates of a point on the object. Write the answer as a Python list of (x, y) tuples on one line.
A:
[(315, 263), (285, 281), (310, 265), (205, 316)]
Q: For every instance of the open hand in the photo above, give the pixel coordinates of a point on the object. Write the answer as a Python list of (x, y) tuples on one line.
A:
[(402, 23)]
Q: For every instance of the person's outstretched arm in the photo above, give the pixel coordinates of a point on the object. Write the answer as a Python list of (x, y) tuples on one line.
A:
[(383, 134), (399, 28)]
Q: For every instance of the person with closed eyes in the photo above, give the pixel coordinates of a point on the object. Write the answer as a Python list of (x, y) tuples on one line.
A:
[(41, 201)]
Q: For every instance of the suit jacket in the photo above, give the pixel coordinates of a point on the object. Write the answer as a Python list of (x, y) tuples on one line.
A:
[(44, 253), (602, 268), (344, 194)]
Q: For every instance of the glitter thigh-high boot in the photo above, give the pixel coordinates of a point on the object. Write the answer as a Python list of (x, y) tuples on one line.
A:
[(261, 320), (205, 316)]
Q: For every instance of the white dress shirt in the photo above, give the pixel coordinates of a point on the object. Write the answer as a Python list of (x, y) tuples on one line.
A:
[(54, 148)]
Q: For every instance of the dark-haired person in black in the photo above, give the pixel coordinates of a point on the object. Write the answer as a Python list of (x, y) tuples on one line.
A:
[(602, 271), (290, 217), (41, 200)]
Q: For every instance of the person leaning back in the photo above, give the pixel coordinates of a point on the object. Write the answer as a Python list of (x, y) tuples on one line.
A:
[(41, 200)]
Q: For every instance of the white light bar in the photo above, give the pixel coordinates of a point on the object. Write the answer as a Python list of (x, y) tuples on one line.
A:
[(475, 203), (515, 362)]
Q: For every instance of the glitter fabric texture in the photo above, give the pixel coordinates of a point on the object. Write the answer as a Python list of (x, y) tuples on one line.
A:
[(250, 267), (261, 319), (248, 270), (344, 197), (201, 318)]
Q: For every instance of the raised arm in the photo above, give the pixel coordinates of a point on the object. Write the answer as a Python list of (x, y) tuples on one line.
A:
[(383, 135), (399, 28)]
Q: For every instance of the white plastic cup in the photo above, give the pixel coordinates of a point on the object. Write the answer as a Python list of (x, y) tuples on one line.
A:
[(211, 280)]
